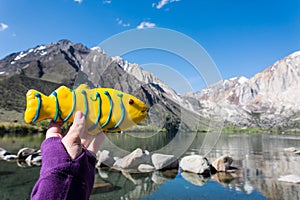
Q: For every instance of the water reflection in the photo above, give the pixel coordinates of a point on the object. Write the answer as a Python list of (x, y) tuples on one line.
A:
[(125, 185), (261, 160), (180, 188), (16, 182), (168, 185)]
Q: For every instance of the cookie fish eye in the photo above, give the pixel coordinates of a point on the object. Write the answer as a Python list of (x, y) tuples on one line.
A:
[(130, 101)]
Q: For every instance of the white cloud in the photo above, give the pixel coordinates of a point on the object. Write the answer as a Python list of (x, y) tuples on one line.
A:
[(162, 3), (3, 26), (122, 23), (78, 1), (146, 25), (107, 1)]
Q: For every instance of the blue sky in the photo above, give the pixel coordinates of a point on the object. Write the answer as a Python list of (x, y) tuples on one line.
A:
[(242, 37)]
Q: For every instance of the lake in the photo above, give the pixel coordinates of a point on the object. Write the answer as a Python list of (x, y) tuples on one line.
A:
[(260, 157)]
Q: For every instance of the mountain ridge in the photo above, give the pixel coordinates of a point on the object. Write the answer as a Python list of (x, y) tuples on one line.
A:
[(267, 100), (270, 95), (65, 63)]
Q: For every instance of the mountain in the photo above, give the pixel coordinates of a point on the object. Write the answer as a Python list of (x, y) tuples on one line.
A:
[(45, 61), (45, 67), (270, 99), (146, 77)]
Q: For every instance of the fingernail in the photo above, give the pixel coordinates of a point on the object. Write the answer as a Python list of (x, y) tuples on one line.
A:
[(78, 115)]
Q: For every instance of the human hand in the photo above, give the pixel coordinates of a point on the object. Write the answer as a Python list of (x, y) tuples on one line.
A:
[(76, 137), (65, 157)]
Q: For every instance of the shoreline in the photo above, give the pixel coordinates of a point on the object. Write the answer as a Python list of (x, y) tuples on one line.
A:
[(22, 129)]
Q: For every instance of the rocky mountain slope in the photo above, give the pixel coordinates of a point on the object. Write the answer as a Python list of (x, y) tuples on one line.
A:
[(66, 63), (270, 99)]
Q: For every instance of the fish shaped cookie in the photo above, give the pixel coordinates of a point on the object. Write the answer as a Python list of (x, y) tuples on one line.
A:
[(105, 109)]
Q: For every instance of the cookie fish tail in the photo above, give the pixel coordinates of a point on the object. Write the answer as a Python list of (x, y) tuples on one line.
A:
[(38, 107)]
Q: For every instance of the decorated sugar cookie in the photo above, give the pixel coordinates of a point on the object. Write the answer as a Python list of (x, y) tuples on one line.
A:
[(105, 109)]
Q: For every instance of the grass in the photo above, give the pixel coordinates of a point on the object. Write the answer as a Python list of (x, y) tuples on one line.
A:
[(21, 129), (253, 130), (235, 129), (18, 129), (144, 128)]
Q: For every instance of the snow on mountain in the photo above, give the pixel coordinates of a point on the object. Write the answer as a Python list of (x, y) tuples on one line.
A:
[(269, 99), (146, 77)]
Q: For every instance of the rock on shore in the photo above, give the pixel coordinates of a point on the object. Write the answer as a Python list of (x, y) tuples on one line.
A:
[(163, 161), (133, 160), (5, 155), (223, 163), (195, 164)]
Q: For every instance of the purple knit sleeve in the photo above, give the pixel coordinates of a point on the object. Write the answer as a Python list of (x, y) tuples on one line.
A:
[(60, 176)]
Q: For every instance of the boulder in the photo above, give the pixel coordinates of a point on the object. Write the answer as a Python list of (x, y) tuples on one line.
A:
[(297, 152), (163, 161), (146, 168), (133, 160), (2, 152), (116, 158), (290, 149), (10, 157), (118, 163), (104, 159), (291, 178), (195, 164), (25, 152), (223, 163), (34, 160), (5, 155)]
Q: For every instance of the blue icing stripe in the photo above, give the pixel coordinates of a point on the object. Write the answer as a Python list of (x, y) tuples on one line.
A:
[(122, 116), (37, 112), (99, 111), (57, 106), (73, 106), (110, 109), (86, 105)]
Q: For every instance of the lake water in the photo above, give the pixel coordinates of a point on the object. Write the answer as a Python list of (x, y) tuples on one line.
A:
[(260, 157)]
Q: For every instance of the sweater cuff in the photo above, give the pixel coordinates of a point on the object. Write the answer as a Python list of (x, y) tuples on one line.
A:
[(56, 158)]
